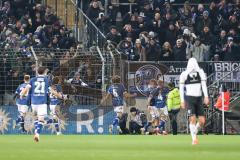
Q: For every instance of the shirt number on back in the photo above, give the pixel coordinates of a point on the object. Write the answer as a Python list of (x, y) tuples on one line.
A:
[(39, 87)]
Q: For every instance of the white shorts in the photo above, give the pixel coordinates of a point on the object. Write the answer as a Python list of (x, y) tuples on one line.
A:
[(22, 108), (118, 109), (164, 110), (53, 110), (40, 109), (153, 112)]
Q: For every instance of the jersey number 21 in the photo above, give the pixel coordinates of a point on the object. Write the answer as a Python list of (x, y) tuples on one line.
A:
[(39, 87)]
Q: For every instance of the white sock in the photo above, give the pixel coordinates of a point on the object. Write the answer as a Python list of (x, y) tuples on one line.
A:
[(193, 131), (198, 127)]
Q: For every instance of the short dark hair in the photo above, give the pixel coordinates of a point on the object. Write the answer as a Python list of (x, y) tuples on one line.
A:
[(116, 79), (26, 77), (55, 80), (41, 70)]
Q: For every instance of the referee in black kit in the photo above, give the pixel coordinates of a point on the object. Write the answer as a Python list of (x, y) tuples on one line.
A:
[(192, 85)]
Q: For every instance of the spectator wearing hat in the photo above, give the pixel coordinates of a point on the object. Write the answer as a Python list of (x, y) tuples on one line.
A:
[(173, 104)]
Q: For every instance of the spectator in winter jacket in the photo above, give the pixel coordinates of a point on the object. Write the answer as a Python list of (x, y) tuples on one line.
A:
[(179, 51), (152, 51), (198, 50)]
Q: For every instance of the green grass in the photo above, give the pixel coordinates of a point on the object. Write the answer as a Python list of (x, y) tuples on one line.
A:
[(94, 147)]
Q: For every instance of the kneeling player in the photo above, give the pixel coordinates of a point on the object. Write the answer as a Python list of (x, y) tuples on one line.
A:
[(117, 91), (22, 104)]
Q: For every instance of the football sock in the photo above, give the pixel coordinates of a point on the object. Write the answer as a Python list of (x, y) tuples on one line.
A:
[(115, 121), (39, 127), (193, 131), (22, 124), (56, 124), (198, 127), (162, 125), (50, 121)]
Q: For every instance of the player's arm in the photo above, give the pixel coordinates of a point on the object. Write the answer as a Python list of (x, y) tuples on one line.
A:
[(57, 94), (25, 91), (204, 87), (105, 98), (181, 89), (129, 95)]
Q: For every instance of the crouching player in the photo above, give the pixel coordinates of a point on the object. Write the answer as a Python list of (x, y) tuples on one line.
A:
[(55, 95), (117, 91), (38, 90), (22, 104)]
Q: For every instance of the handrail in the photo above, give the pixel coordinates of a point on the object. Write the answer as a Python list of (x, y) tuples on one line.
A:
[(89, 20)]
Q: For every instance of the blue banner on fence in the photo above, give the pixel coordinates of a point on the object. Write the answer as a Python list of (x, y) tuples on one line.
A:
[(73, 120)]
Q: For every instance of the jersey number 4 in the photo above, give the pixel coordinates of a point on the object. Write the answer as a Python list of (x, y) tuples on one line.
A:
[(39, 87)]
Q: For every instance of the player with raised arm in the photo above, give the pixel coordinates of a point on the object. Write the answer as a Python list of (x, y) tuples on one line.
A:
[(193, 80), (157, 106), (38, 90), (23, 103), (55, 95), (118, 92)]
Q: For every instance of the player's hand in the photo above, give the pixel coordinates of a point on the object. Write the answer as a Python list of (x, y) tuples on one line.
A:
[(183, 105), (206, 101)]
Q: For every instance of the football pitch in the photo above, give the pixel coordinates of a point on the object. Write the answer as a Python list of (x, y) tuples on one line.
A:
[(114, 147)]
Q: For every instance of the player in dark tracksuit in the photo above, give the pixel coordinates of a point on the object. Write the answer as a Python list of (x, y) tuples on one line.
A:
[(193, 80)]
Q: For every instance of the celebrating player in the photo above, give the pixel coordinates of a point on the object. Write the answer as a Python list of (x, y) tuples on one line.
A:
[(55, 95), (157, 101), (38, 90), (194, 81), (117, 91), (22, 103)]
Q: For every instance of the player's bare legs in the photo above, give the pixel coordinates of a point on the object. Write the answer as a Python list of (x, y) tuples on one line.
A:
[(193, 129)]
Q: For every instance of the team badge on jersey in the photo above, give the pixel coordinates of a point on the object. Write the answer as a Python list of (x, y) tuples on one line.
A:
[(4, 121)]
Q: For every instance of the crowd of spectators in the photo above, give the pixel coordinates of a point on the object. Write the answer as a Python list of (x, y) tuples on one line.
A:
[(162, 30), (24, 24)]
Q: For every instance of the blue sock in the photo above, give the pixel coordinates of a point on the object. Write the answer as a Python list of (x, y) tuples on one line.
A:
[(56, 125), (162, 125), (115, 121), (39, 127), (35, 123), (19, 119), (50, 121)]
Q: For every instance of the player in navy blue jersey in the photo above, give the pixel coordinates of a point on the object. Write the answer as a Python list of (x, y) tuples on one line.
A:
[(157, 105), (38, 90), (56, 96), (23, 103), (118, 92)]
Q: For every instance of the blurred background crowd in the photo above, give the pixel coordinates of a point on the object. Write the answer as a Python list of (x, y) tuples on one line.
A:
[(175, 30)]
